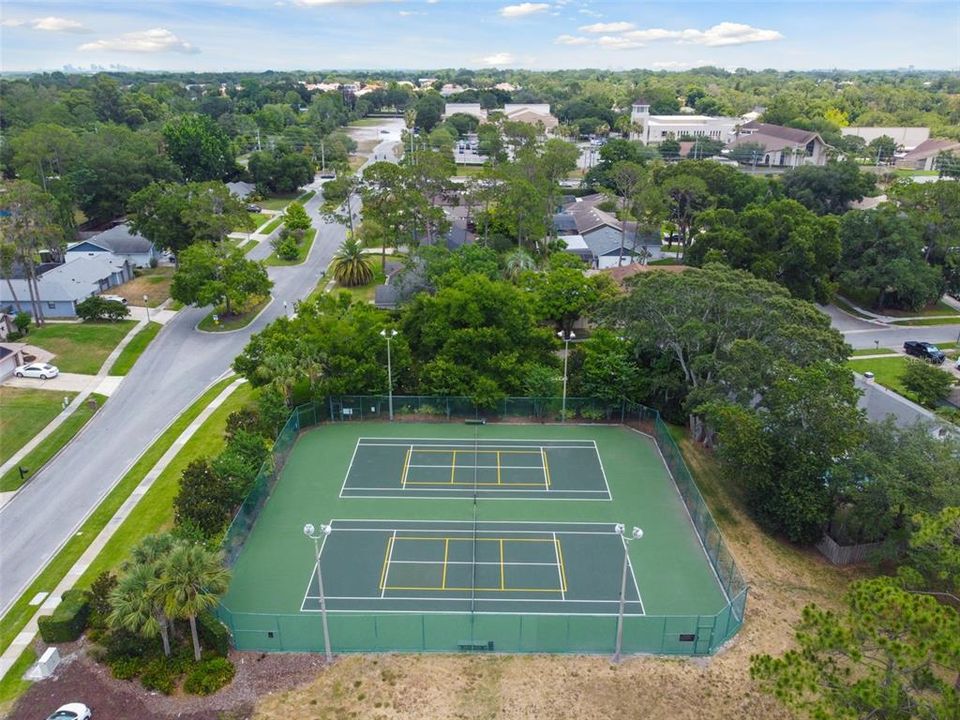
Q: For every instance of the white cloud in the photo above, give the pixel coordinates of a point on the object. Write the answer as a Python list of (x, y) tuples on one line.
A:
[(610, 27), (618, 42), (523, 9), (408, 13), (678, 65), (498, 59), (590, 13), (147, 41), (572, 40), (12, 23), (652, 34), (58, 24), (312, 3), (728, 33)]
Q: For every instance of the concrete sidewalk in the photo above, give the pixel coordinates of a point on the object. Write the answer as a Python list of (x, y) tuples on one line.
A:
[(84, 393), (157, 315), (52, 599)]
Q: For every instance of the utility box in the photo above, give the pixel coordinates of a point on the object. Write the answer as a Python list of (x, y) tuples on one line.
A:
[(44, 667)]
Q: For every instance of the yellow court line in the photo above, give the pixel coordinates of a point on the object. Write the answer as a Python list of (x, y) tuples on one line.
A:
[(563, 568), (434, 588), (386, 555), (446, 549), (502, 580), (406, 467), (479, 452), (453, 466), (437, 538), (470, 484), (546, 467)]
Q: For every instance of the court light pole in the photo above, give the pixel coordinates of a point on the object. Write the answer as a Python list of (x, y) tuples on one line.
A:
[(389, 335), (636, 534), (311, 532), (566, 355)]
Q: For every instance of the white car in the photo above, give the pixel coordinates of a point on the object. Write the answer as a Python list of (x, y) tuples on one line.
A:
[(72, 711), (37, 370), (115, 298)]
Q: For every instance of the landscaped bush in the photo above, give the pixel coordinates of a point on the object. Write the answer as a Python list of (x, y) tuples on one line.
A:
[(69, 620), (286, 247), (126, 668), (100, 599), (161, 674), (214, 635), (96, 308), (209, 676)]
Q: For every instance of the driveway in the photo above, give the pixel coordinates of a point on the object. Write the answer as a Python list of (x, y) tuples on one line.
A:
[(71, 382), (174, 370)]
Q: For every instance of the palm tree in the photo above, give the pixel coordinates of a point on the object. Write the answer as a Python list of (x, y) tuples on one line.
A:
[(193, 579), (351, 267), (137, 607), (517, 262)]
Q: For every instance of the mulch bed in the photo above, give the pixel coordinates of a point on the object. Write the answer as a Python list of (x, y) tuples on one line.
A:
[(80, 679)]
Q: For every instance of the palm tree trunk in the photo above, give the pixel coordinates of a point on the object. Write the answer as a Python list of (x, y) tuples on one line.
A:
[(36, 286), (165, 636), (196, 638), (16, 300)]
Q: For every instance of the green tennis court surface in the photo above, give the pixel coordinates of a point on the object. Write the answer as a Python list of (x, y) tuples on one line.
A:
[(415, 563), (535, 568), (424, 467)]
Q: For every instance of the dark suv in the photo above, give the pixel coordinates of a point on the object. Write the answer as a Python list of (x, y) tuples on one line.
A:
[(924, 350)]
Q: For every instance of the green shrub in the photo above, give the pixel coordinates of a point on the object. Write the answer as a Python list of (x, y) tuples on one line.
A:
[(161, 675), (126, 668), (214, 635), (69, 620), (209, 676), (97, 308), (286, 246), (100, 599)]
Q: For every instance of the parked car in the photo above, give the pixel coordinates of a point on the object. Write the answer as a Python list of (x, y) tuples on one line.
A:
[(37, 370), (254, 208), (115, 298), (72, 711), (925, 351)]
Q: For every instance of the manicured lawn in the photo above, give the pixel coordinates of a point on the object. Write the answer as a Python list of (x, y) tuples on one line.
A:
[(356, 161), (886, 371), (80, 347), (21, 610), (154, 513), (366, 122), (256, 220), (365, 293), (235, 321), (278, 201), (12, 685), (940, 308), (305, 245), (273, 225), (306, 196), (872, 351), (955, 320), (152, 282), (906, 172), (53, 443), (134, 348), (665, 261), (25, 413)]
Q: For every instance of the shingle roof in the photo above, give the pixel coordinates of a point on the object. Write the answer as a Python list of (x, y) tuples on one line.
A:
[(70, 281), (792, 135), (121, 241), (930, 147)]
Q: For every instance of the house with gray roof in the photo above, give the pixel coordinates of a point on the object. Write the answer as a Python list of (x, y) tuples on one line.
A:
[(62, 286), (926, 155), (118, 241), (585, 227), (782, 146)]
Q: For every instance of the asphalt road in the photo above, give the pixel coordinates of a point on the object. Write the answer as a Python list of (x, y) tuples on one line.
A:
[(175, 369), (863, 334)]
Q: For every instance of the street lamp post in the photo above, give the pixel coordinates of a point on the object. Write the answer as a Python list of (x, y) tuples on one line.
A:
[(636, 534), (566, 355), (145, 297), (310, 531), (389, 335)]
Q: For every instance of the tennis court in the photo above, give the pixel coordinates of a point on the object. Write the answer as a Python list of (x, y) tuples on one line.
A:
[(447, 537), (533, 568), (441, 467)]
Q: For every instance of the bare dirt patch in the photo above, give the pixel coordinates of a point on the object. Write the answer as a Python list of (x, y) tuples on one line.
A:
[(154, 283), (782, 580), (79, 679)]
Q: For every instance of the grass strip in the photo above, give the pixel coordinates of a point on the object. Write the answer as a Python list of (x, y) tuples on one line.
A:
[(304, 251), (306, 196), (272, 226), (929, 321), (26, 411), (21, 611), (235, 321), (154, 513), (873, 351), (51, 445), (135, 348), (12, 685)]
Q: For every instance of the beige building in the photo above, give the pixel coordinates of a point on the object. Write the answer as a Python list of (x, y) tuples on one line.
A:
[(782, 146)]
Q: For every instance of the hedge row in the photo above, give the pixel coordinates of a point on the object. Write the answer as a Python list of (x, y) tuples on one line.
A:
[(69, 620)]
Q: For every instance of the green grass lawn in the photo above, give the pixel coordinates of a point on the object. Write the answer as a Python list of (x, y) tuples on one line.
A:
[(886, 371), (235, 321), (906, 172), (364, 293), (53, 443), (845, 305), (939, 308), (154, 513), (21, 611), (278, 201), (955, 320), (25, 413), (305, 245), (12, 685), (80, 347), (256, 219), (306, 196), (271, 226), (135, 348), (872, 351), (469, 170), (366, 122)]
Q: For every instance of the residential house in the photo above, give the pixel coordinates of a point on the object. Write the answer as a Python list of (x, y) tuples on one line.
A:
[(119, 242), (924, 156), (654, 129), (584, 227), (905, 137), (782, 146), (11, 355), (531, 113), (241, 190), (61, 286)]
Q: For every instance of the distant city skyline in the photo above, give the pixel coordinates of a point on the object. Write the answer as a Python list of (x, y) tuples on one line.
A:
[(247, 35)]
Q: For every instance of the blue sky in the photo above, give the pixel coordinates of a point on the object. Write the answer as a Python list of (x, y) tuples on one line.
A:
[(422, 34)]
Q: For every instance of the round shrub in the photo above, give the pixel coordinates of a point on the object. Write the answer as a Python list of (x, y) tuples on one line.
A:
[(160, 675), (209, 676), (126, 668)]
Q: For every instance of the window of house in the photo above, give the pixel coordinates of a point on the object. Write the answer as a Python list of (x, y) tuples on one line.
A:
[(52, 306)]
